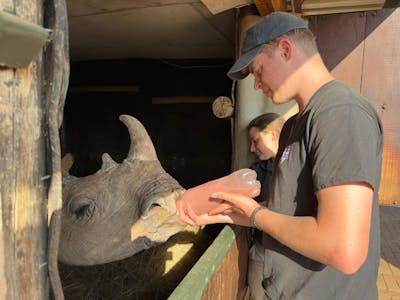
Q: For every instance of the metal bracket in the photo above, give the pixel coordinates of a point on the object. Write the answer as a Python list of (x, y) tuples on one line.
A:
[(20, 40)]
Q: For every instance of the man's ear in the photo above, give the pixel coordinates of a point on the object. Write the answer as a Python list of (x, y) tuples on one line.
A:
[(285, 47)]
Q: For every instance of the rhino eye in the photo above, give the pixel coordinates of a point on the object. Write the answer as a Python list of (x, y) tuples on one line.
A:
[(82, 210)]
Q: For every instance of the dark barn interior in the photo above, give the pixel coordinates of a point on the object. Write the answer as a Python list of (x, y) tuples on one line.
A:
[(192, 144), (163, 63)]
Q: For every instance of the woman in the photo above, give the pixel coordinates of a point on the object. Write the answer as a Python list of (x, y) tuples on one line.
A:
[(263, 133)]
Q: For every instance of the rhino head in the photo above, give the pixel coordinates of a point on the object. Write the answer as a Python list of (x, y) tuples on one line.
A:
[(122, 208)]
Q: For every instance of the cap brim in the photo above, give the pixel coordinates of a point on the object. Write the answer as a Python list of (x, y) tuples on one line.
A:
[(239, 70)]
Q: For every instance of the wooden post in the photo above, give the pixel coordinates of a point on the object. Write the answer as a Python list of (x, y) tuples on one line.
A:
[(23, 185)]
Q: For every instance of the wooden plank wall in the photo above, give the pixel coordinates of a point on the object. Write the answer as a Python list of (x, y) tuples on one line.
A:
[(230, 279), (381, 84), (23, 221), (363, 50)]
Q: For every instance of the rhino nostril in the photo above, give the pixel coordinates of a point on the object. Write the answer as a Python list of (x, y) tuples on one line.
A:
[(147, 209), (154, 205)]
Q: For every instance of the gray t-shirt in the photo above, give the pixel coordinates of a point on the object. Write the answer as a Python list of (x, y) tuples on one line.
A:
[(338, 138)]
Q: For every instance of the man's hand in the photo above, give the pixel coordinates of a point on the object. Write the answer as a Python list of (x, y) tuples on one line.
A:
[(236, 209)]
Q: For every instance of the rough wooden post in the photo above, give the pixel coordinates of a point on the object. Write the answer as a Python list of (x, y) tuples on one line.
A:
[(23, 186)]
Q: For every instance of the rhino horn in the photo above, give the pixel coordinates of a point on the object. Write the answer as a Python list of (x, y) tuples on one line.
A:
[(107, 162), (141, 145)]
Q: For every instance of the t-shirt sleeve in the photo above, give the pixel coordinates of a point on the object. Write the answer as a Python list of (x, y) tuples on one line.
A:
[(344, 147)]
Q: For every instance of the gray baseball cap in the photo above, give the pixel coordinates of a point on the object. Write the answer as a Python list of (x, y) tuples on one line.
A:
[(265, 30)]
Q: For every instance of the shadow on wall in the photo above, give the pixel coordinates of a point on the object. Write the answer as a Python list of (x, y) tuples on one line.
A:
[(335, 47), (390, 234)]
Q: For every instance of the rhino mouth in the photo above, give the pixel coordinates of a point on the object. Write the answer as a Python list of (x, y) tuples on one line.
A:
[(159, 221)]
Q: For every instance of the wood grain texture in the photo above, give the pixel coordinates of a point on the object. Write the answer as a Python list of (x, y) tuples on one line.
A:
[(22, 209), (380, 84), (229, 279), (363, 51)]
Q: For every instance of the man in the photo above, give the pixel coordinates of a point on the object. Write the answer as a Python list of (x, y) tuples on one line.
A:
[(321, 224)]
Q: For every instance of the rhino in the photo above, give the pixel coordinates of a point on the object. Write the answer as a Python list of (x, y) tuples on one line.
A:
[(121, 209)]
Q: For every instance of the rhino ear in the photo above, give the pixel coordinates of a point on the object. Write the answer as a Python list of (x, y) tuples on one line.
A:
[(141, 145), (108, 162), (66, 163)]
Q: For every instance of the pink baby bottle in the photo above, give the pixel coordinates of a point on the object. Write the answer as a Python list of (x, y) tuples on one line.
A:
[(243, 181)]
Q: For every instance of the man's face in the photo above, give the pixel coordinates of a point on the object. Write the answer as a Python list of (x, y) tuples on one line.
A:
[(270, 76)]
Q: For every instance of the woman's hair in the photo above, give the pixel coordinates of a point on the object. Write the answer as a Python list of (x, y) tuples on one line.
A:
[(267, 121)]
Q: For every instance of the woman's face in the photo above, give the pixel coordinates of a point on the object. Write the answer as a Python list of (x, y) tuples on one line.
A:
[(264, 144)]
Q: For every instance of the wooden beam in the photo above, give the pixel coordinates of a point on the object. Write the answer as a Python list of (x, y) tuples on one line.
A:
[(341, 3), (262, 7), (296, 6), (277, 5), (23, 215), (265, 7), (320, 7), (217, 6), (182, 99), (103, 89), (391, 4)]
